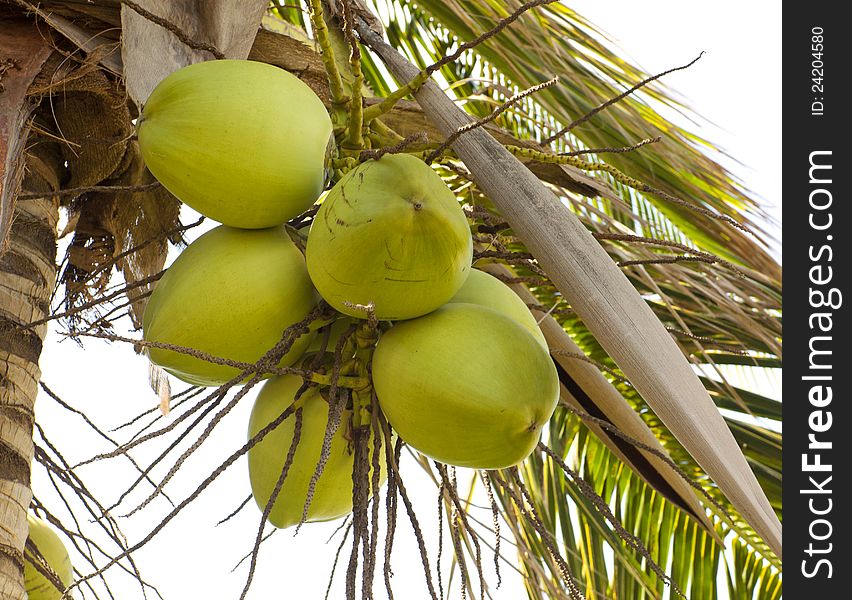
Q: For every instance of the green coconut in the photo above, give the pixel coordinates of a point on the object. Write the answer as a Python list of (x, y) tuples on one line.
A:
[(392, 234), (465, 385), (50, 546), (486, 290), (241, 142), (333, 492), (231, 294)]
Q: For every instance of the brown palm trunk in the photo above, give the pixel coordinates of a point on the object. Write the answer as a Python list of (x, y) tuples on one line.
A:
[(27, 275)]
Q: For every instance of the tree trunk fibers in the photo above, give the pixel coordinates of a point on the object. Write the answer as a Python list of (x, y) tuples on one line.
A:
[(27, 276)]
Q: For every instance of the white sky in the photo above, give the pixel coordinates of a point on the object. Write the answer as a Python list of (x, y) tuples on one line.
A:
[(736, 86)]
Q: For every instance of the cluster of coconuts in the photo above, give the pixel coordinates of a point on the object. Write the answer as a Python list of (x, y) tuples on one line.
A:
[(460, 370), (54, 554)]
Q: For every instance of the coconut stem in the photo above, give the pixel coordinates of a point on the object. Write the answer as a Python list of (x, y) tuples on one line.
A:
[(335, 82), (365, 339), (377, 110), (354, 383), (342, 166), (384, 131), (354, 139)]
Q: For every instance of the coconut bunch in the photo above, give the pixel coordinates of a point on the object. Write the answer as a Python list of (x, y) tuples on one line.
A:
[(450, 355)]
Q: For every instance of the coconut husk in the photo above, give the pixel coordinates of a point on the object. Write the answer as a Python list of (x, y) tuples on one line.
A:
[(92, 117)]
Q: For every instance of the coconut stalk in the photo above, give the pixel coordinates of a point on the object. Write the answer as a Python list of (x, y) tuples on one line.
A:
[(601, 295)]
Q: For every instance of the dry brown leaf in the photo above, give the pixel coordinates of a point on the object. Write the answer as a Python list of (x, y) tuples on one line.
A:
[(142, 220)]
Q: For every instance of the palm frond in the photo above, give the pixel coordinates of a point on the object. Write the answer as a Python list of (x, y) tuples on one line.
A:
[(720, 314), (555, 41)]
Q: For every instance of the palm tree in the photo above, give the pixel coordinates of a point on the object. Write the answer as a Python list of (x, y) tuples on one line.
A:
[(608, 478)]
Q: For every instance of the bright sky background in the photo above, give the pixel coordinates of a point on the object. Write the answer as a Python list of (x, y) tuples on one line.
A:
[(736, 86)]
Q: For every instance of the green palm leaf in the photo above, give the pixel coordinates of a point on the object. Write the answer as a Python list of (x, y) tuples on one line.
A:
[(729, 316), (554, 40)]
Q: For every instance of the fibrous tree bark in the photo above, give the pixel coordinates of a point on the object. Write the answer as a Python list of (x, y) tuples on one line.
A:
[(27, 276)]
